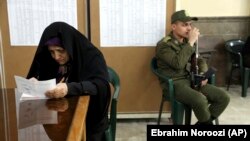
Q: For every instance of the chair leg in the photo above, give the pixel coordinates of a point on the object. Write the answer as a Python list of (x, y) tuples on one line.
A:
[(160, 111), (245, 82), (229, 79), (188, 115), (178, 113)]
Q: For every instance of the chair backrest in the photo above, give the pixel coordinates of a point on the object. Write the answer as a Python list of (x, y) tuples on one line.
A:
[(115, 81), (154, 68), (235, 45), (168, 80)]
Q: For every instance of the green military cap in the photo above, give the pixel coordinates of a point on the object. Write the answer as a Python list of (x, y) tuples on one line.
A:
[(183, 16)]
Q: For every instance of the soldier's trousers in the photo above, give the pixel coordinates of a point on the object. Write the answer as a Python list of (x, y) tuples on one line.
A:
[(209, 102)]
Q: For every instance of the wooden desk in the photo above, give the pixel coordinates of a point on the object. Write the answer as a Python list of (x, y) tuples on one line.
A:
[(70, 126), (77, 129)]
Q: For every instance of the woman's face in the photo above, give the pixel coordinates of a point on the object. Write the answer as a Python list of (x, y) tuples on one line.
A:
[(60, 55)]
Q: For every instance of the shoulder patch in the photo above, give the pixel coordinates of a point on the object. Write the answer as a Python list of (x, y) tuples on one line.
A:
[(166, 39)]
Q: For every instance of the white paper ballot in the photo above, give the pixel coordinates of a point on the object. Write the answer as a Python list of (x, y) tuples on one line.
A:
[(33, 89)]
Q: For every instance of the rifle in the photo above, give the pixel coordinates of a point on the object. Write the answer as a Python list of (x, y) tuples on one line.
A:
[(196, 77)]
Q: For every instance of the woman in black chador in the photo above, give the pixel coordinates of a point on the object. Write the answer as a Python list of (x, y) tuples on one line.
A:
[(79, 68)]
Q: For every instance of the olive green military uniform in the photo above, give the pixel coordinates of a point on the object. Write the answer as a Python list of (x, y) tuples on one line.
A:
[(173, 59)]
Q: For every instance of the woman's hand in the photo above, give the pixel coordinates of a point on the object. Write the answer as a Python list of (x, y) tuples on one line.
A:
[(59, 91), (33, 79)]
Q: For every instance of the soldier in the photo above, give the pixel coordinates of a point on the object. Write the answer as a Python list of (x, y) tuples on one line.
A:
[(173, 54)]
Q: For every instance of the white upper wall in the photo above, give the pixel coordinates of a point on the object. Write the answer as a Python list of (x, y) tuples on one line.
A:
[(214, 8)]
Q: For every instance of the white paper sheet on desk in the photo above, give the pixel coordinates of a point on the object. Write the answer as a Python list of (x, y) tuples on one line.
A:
[(33, 112), (33, 89)]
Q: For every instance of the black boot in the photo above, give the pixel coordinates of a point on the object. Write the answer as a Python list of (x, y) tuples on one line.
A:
[(212, 118), (209, 122), (204, 123)]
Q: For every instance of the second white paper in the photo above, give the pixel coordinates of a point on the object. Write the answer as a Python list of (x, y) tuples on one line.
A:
[(33, 89)]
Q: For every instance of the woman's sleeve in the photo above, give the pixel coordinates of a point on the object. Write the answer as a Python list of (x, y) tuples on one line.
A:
[(82, 88)]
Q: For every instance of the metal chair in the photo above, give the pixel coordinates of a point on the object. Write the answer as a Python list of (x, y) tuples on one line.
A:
[(177, 108), (234, 48), (115, 81)]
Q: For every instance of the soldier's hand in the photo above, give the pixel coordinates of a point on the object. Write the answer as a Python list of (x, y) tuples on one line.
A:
[(204, 82), (193, 35)]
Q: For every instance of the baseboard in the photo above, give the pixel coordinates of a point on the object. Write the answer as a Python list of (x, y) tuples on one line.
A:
[(141, 115)]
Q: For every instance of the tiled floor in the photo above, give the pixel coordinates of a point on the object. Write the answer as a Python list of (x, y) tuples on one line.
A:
[(237, 112)]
